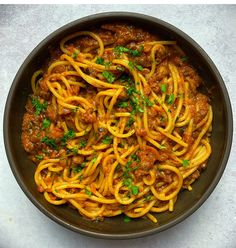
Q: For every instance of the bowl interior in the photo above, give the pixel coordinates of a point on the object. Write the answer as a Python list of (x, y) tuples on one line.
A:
[(187, 202)]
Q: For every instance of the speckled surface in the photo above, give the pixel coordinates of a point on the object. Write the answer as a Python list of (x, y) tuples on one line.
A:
[(21, 224)]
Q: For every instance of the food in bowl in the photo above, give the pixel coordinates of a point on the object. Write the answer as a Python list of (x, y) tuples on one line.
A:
[(116, 123)]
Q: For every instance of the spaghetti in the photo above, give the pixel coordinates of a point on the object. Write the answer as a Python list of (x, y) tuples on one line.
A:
[(116, 124)]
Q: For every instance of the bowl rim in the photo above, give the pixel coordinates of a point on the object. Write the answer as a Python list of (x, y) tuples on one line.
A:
[(170, 28)]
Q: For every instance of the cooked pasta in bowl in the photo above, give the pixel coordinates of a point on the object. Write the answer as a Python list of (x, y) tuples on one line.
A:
[(119, 126)]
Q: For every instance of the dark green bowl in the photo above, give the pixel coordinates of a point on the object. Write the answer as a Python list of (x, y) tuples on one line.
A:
[(115, 228)]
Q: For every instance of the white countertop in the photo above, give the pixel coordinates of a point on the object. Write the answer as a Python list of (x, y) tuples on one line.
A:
[(22, 225)]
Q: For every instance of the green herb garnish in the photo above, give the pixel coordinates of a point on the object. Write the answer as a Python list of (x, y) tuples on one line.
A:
[(109, 76), (171, 99), (79, 168), (68, 135), (130, 122), (46, 123), (134, 52), (94, 160), (100, 61), (139, 67), (134, 189), (126, 78), (74, 150), (185, 163), (49, 142), (184, 59), (127, 219), (127, 182), (39, 107), (148, 198), (120, 68), (39, 157), (107, 140), (75, 55), (88, 192), (82, 143), (135, 157), (163, 88), (162, 147), (123, 104), (107, 64), (131, 65)]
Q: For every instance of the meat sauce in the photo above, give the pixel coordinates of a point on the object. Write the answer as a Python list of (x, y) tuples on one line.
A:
[(34, 128)]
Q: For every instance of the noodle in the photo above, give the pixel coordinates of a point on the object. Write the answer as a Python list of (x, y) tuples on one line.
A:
[(117, 127)]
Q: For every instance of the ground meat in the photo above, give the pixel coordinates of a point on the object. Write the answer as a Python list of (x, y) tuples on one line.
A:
[(70, 121), (78, 159), (154, 84), (141, 132), (51, 113), (190, 179), (125, 34), (59, 69), (56, 133), (147, 90), (28, 145), (164, 176), (43, 90), (202, 107), (191, 76), (89, 117), (149, 155)]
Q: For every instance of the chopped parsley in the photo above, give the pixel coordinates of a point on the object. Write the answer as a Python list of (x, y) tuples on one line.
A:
[(68, 135), (133, 52), (39, 107), (88, 192), (127, 182), (130, 122), (79, 168), (171, 99), (107, 140), (128, 178), (123, 104), (75, 55), (127, 219), (100, 61), (147, 102), (46, 123), (135, 158), (148, 198), (74, 150), (82, 143), (49, 142), (120, 68), (94, 160), (162, 147), (134, 189), (39, 157), (131, 65), (139, 67), (108, 76), (185, 163), (107, 64), (126, 78), (184, 59), (120, 49), (163, 88), (127, 170)]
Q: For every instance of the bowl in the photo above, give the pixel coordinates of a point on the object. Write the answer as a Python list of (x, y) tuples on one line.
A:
[(115, 228)]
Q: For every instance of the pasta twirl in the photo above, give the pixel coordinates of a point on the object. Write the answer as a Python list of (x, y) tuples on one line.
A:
[(116, 124)]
